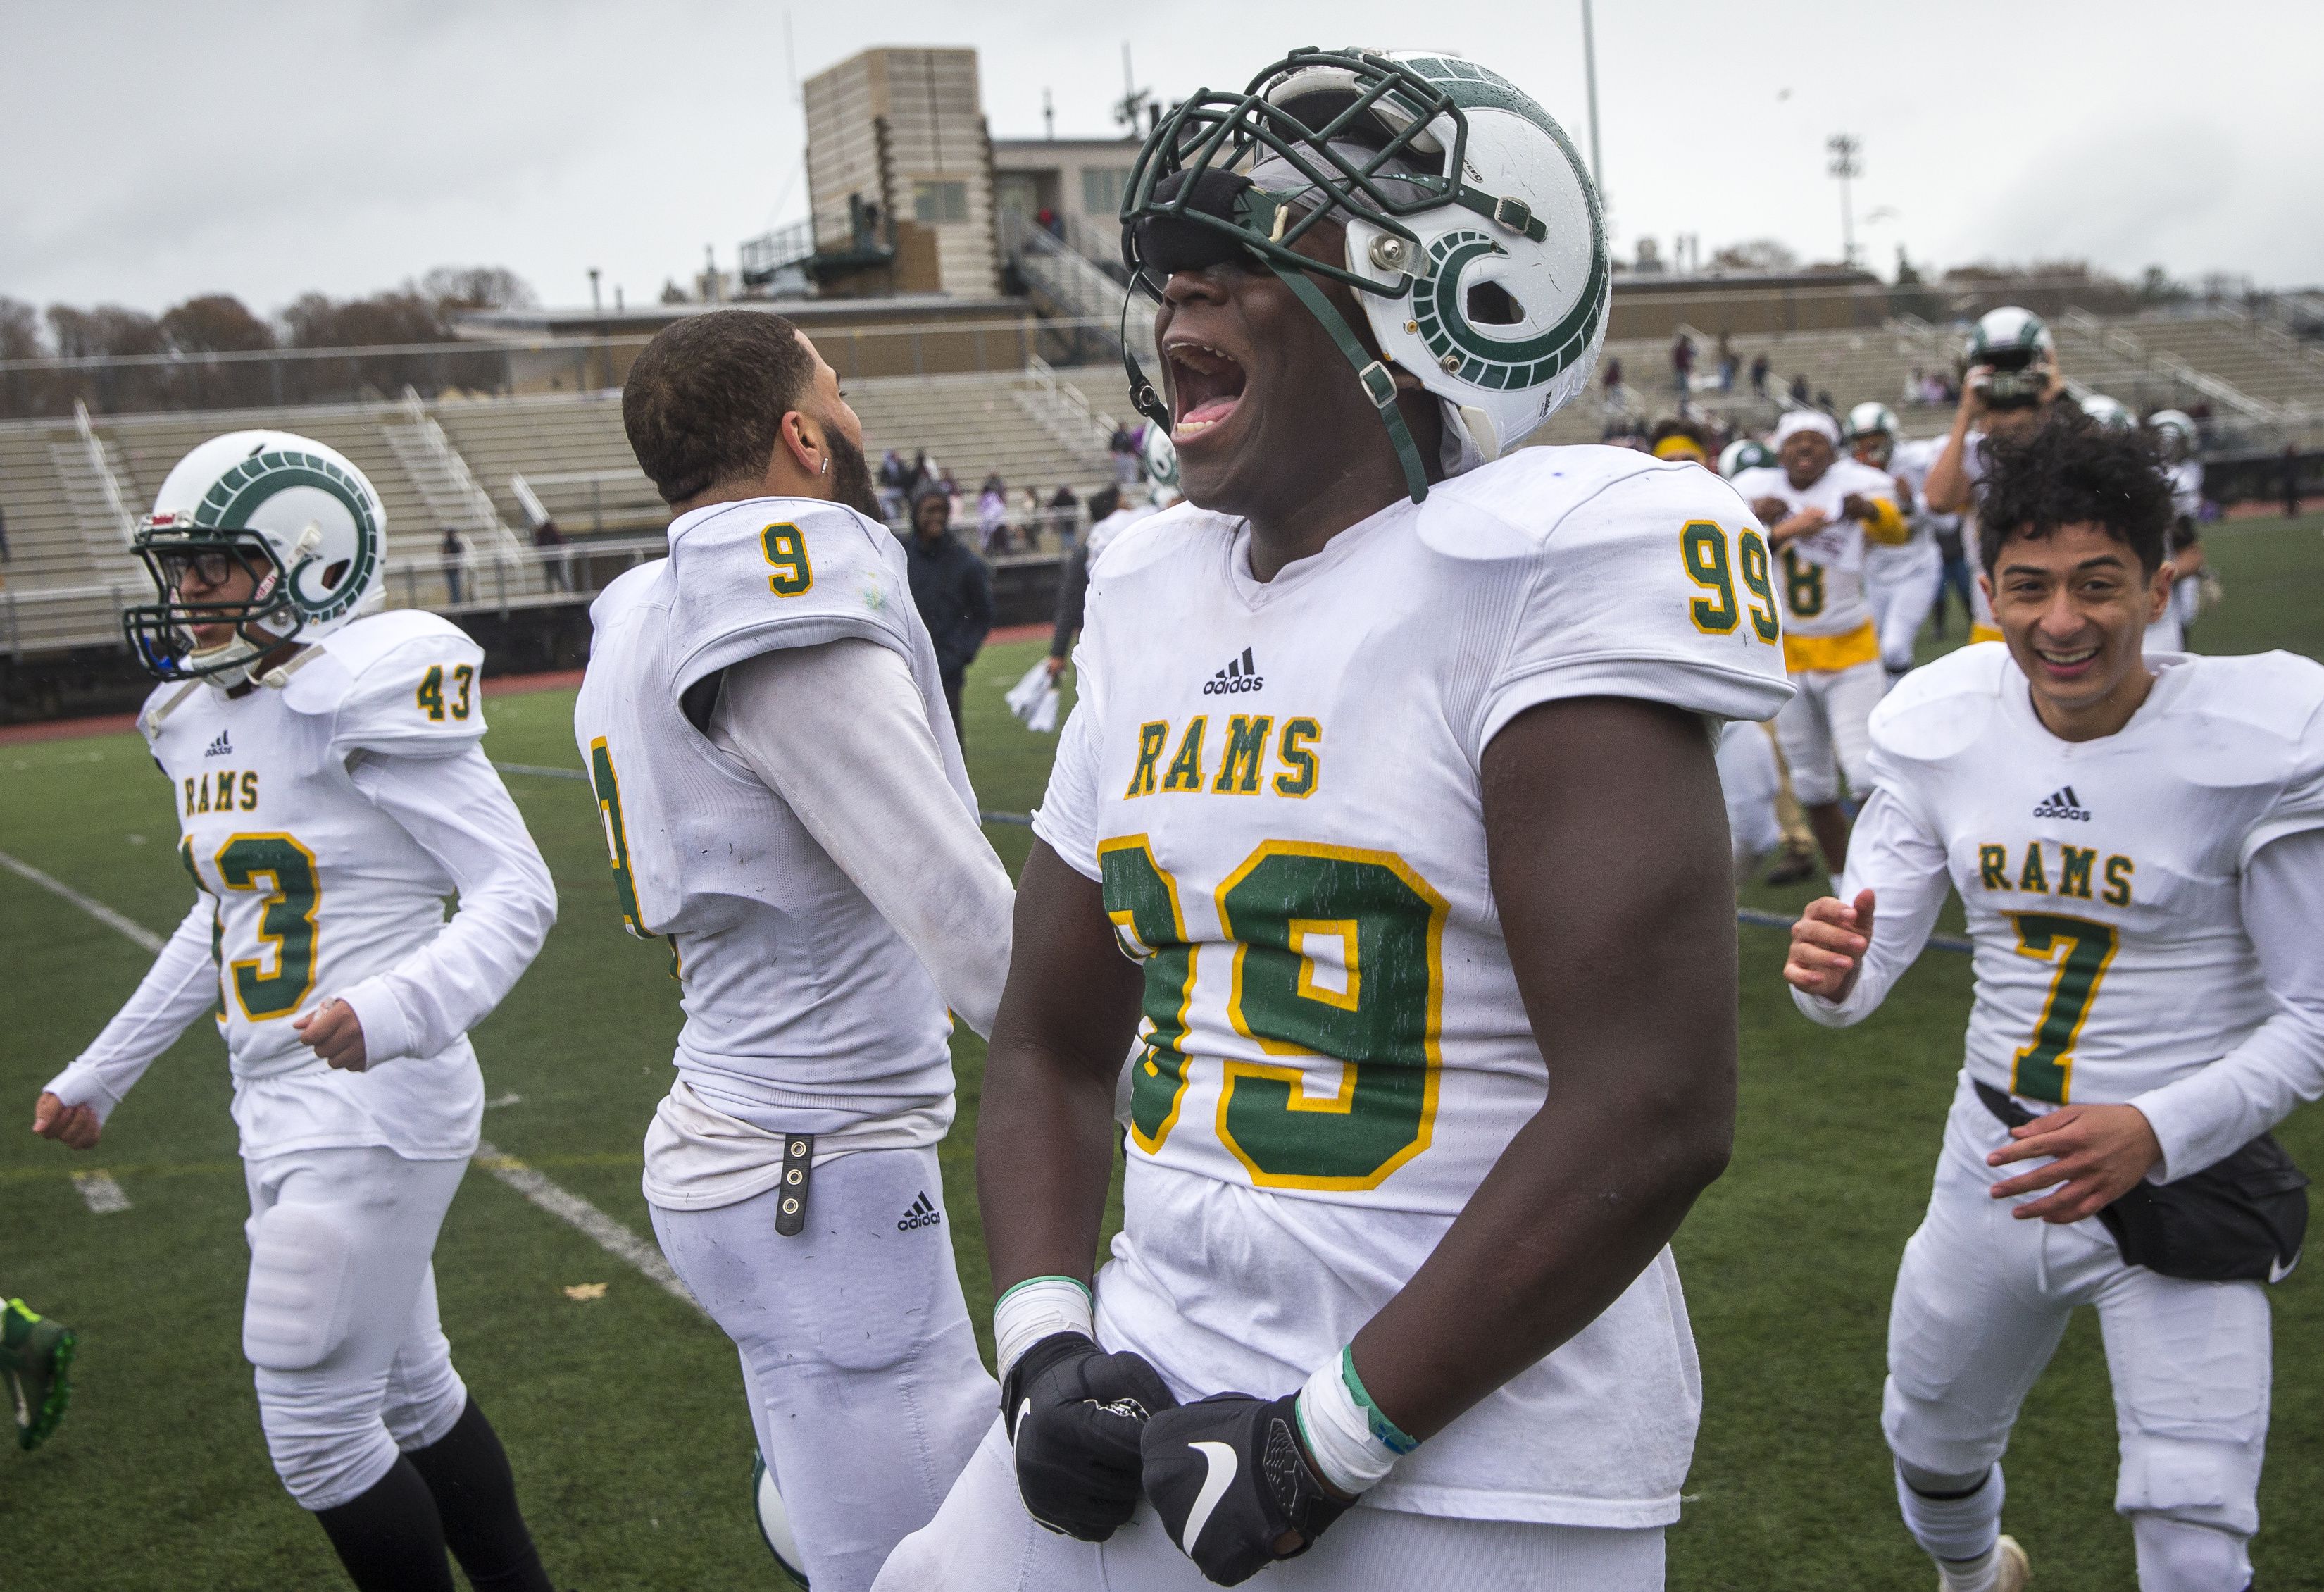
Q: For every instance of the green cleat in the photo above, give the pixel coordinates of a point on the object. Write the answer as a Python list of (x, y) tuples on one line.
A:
[(35, 1361)]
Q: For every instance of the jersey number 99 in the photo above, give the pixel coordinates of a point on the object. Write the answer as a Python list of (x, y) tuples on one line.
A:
[(1702, 545), (1337, 963)]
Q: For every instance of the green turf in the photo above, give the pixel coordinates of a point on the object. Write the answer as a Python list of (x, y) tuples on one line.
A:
[(623, 1414)]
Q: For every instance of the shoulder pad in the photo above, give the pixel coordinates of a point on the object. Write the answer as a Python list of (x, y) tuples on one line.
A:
[(2247, 721), (1760, 481), (1152, 536), (163, 701), (1855, 476), (774, 572), (1942, 708), (406, 682), (627, 591), (1511, 508)]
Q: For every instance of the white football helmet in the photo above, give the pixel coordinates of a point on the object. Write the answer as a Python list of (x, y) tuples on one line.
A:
[(1872, 419), (2017, 353), (2110, 414), (2174, 428), (294, 515), (1160, 455), (1744, 453), (1473, 237)]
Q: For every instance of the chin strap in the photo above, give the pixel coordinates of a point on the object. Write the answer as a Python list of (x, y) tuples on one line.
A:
[(1379, 385)]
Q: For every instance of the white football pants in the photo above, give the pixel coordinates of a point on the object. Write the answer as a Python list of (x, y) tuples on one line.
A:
[(1826, 731), (983, 1539), (858, 1358), (1900, 586), (1750, 781), (1981, 1301), (340, 1320)]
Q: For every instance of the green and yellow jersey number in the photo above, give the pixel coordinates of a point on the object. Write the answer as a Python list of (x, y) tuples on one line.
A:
[(608, 786), (2081, 950), (786, 553), (286, 923), (1337, 958), (1802, 585), (431, 698), (1702, 546)]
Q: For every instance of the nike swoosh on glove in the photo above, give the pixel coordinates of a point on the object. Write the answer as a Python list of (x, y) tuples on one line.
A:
[(1075, 1413), (1227, 1477)]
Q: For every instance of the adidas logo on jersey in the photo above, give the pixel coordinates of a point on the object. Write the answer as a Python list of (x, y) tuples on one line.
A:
[(2064, 803), (1240, 675), (221, 747), (921, 1214)]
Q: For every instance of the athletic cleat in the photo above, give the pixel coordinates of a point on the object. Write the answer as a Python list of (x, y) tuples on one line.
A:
[(774, 1519), (2011, 1568), (35, 1361)]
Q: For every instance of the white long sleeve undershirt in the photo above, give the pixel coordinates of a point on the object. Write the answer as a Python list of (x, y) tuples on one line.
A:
[(462, 815), (841, 734), (180, 985), (2199, 1119)]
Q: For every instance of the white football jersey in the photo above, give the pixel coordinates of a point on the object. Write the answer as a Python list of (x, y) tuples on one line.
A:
[(1982, 626), (1276, 785), (805, 1011), (2100, 878), (315, 888), (2186, 488), (1820, 575)]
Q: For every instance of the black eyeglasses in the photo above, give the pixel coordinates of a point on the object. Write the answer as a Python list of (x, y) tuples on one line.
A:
[(208, 567)]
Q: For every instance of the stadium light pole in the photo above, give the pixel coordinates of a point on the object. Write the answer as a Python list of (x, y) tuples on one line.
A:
[(1590, 77), (1846, 150)]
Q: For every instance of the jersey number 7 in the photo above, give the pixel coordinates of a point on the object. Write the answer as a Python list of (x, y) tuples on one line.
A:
[(2044, 1070)]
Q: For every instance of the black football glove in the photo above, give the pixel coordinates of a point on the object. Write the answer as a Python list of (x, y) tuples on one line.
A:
[(1227, 1477), (1074, 1414)]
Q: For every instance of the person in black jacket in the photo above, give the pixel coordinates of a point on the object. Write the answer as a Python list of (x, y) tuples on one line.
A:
[(953, 591)]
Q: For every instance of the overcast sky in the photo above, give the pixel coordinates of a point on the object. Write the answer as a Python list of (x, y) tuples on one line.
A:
[(158, 149)]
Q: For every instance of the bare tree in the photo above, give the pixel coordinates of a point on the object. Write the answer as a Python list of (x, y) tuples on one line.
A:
[(1757, 254), (478, 287), (215, 323)]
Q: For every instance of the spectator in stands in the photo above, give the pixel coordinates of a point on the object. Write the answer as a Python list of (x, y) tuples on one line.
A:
[(1614, 402), (894, 490), (2291, 488), (6, 556), (455, 553), (1127, 466), (1066, 518), (1683, 363), (1760, 368), (1799, 390), (547, 539), (918, 476), (1728, 364), (992, 516), (953, 590)]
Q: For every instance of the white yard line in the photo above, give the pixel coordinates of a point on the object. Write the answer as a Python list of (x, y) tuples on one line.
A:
[(595, 1225), (103, 913), (104, 1195)]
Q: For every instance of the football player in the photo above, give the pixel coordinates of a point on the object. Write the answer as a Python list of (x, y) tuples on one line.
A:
[(2139, 844), (324, 760), (1821, 510), (2175, 436), (36, 1362), (1381, 737), (1900, 580), (785, 803), (2010, 383)]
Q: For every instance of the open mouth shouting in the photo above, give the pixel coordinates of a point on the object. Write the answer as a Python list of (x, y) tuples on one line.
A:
[(1206, 388)]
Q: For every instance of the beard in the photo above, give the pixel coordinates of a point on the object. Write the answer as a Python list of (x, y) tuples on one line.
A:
[(850, 476)]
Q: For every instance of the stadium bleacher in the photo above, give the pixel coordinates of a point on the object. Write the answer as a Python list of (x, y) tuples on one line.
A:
[(457, 460)]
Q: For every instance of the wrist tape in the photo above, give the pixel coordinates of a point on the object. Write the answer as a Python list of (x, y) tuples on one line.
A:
[(1034, 1310), (1353, 1443)]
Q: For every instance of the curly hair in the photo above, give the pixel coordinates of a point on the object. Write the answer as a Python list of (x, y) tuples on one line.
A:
[(2071, 472), (705, 400)]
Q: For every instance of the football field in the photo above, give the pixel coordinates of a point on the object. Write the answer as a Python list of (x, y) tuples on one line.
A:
[(621, 1405)]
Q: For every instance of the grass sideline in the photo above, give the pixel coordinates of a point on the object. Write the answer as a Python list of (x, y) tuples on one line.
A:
[(623, 1414)]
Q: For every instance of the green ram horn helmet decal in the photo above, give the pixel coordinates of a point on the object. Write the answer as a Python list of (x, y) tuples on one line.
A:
[(236, 496)]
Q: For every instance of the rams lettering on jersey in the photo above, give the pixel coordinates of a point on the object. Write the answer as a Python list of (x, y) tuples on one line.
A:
[(1245, 744)]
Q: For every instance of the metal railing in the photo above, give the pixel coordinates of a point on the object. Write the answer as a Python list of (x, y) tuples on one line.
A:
[(1065, 410), (100, 464)]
